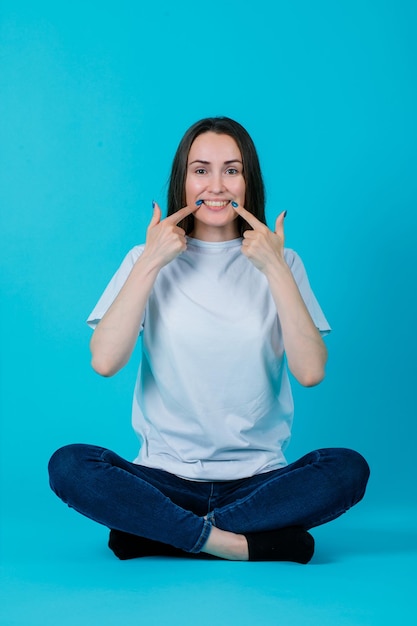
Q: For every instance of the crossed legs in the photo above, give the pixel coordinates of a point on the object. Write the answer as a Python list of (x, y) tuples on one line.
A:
[(261, 518)]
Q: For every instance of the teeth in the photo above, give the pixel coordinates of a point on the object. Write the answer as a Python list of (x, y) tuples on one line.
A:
[(216, 203)]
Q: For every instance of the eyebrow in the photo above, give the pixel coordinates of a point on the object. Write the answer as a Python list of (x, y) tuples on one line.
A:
[(208, 162)]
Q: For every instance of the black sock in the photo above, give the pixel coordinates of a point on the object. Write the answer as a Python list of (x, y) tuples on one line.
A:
[(126, 546), (286, 544)]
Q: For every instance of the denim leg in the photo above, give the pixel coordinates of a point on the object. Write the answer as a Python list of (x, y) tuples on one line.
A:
[(312, 491), (121, 495)]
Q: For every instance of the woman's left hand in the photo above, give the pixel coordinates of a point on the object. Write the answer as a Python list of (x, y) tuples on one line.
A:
[(262, 246), (304, 347)]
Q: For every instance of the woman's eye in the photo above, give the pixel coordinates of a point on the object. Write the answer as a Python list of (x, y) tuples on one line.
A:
[(232, 170), (200, 170)]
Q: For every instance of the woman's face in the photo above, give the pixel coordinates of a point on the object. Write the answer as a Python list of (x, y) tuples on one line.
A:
[(215, 176)]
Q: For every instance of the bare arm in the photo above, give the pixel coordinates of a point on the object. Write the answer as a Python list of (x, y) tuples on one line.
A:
[(304, 347), (116, 334)]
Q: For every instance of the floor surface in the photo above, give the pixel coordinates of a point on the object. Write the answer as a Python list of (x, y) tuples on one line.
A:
[(58, 571)]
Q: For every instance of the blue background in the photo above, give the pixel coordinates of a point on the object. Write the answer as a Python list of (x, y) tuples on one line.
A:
[(94, 98)]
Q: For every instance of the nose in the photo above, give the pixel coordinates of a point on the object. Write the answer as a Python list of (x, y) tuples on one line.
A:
[(216, 183)]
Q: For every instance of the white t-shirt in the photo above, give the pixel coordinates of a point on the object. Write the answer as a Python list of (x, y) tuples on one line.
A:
[(212, 399)]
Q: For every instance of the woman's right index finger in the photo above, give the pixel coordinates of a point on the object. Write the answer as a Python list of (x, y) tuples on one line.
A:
[(180, 214)]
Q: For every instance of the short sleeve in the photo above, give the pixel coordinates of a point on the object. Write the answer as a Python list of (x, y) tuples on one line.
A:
[(300, 276), (112, 290)]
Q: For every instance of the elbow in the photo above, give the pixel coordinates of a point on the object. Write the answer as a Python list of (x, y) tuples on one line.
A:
[(310, 376), (313, 373), (103, 361), (311, 379), (103, 367)]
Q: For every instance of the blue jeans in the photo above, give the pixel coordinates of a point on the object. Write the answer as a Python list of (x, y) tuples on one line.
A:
[(157, 505)]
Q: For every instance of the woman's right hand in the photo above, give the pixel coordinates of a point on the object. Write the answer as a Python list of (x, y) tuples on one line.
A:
[(164, 239), (115, 336)]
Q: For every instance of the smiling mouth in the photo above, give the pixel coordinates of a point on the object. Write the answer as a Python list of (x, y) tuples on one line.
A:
[(216, 204)]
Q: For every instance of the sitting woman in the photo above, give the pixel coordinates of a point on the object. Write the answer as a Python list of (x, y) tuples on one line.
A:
[(218, 302)]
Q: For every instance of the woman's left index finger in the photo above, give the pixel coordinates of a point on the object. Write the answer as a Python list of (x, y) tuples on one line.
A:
[(248, 217)]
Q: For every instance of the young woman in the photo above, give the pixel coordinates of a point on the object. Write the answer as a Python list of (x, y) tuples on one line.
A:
[(218, 301)]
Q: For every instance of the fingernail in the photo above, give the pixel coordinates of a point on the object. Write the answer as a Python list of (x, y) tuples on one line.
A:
[(199, 202), (153, 204), (285, 214), (234, 204)]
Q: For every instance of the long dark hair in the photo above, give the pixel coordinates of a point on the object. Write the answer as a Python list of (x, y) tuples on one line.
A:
[(254, 191)]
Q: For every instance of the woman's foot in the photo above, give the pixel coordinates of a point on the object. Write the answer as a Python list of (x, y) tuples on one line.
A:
[(226, 545), (286, 544), (126, 546)]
